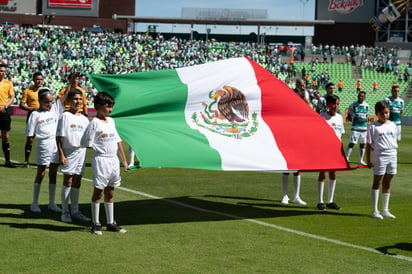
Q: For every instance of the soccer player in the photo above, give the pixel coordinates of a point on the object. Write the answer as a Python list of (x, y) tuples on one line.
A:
[(358, 113), (396, 105), (101, 135), (382, 140)]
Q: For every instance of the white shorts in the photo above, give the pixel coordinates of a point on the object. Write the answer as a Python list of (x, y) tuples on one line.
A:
[(105, 172), (385, 162), (46, 152), (357, 136), (75, 161)]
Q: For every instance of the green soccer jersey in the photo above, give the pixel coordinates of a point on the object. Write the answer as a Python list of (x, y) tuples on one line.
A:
[(397, 105), (359, 113)]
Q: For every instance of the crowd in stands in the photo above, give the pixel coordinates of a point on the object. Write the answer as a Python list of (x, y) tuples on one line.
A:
[(57, 53)]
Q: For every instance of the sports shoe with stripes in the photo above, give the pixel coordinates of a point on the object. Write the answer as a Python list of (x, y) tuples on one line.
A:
[(66, 218), (114, 227), (321, 206), (78, 216), (96, 229), (333, 206)]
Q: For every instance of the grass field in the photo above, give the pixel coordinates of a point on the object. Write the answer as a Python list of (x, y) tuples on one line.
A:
[(196, 221)]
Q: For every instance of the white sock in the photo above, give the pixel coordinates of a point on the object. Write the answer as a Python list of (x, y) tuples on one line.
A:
[(348, 153), (385, 201), (36, 192), (375, 199), (321, 186), (285, 179), (95, 212), (109, 208), (131, 157), (361, 154), (52, 194), (331, 190), (65, 198), (74, 198), (296, 183)]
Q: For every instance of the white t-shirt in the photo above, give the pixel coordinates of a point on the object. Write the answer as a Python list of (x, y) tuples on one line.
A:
[(43, 124), (382, 136), (71, 127), (335, 122), (102, 137)]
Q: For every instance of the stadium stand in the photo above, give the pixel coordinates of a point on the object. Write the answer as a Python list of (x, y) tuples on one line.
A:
[(57, 53)]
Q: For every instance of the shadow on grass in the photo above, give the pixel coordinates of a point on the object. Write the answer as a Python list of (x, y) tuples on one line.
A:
[(190, 209), (398, 246), (170, 210), (22, 211)]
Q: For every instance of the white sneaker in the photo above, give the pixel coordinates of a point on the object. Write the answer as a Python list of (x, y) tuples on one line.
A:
[(35, 208), (362, 163), (387, 214), (285, 200), (80, 217), (377, 215), (54, 208), (66, 218), (299, 201)]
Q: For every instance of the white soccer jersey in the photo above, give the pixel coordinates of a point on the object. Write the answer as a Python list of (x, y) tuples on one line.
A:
[(43, 124), (382, 136), (102, 137), (71, 127), (335, 122)]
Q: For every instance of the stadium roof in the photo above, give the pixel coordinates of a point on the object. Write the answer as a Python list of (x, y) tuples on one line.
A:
[(192, 21)]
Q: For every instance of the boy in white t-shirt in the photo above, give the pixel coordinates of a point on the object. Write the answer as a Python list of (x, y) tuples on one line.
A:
[(42, 125), (70, 129), (101, 136), (382, 139), (334, 119)]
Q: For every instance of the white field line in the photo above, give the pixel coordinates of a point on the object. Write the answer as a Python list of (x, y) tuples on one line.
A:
[(277, 227), (281, 228)]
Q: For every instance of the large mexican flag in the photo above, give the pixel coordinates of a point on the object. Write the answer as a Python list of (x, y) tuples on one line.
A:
[(225, 115)]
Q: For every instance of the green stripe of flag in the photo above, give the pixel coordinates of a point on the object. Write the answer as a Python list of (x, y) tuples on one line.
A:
[(149, 110)]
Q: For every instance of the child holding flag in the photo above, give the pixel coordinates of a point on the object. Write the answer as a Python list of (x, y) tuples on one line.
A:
[(101, 136), (42, 124), (335, 120), (382, 139), (70, 129)]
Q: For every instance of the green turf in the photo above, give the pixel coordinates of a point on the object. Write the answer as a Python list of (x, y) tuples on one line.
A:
[(196, 221)]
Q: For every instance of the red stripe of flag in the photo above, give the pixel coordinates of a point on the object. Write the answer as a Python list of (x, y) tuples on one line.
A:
[(307, 142)]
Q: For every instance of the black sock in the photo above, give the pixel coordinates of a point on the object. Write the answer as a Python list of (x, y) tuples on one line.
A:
[(6, 150), (27, 151)]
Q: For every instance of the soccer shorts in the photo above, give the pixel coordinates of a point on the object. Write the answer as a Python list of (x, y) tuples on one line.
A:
[(46, 152), (105, 171), (385, 162), (75, 161), (357, 136), (5, 121)]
